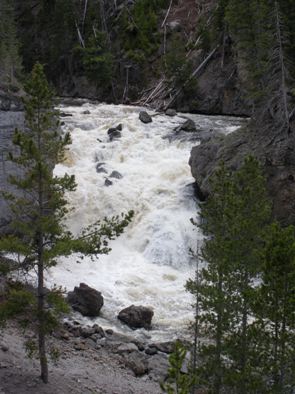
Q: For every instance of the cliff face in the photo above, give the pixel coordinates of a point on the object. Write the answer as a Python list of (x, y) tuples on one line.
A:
[(275, 152)]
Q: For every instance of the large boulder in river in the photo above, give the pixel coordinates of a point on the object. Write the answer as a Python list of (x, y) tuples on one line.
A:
[(145, 117), (86, 300), (114, 133), (137, 316), (188, 125)]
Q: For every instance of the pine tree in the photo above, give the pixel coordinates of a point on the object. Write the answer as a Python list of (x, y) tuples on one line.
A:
[(276, 308), (212, 287), (38, 234), (232, 220), (10, 64)]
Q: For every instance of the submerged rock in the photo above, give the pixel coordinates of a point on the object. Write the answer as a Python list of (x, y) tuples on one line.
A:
[(116, 174), (86, 300), (137, 316), (107, 182), (145, 117)]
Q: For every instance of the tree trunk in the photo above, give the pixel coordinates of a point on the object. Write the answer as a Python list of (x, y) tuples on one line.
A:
[(40, 236), (41, 323), (218, 340)]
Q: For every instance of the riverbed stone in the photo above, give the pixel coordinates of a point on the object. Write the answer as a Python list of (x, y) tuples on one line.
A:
[(137, 316), (86, 300), (116, 175), (158, 367), (137, 362), (189, 126), (127, 348), (170, 112), (145, 117)]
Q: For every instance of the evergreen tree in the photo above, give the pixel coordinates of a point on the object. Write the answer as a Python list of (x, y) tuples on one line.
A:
[(177, 381), (276, 308), (232, 220), (38, 234), (10, 64)]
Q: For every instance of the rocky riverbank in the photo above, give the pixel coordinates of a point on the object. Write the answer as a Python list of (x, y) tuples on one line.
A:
[(113, 365)]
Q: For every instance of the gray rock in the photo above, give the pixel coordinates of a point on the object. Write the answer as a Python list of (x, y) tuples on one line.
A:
[(87, 331), (151, 351), (116, 174), (87, 112), (113, 134), (188, 125), (4, 348), (137, 362), (100, 169), (164, 347), (109, 331), (99, 330), (127, 348), (275, 151), (158, 367), (107, 182), (86, 300), (137, 316), (170, 112), (145, 117)]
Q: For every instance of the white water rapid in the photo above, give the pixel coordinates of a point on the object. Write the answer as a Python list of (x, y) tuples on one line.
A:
[(150, 263)]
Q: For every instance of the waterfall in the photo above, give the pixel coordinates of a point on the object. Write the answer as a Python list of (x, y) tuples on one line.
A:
[(150, 263)]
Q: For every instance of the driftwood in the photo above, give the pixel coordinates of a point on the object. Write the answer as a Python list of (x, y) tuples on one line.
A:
[(167, 13), (81, 40), (197, 70)]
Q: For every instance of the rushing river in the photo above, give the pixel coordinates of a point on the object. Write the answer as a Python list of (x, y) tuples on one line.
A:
[(150, 263)]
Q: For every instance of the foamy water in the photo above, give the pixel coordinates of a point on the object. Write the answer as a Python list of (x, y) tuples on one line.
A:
[(150, 263)]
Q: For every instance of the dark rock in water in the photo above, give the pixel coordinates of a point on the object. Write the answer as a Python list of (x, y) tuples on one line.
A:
[(137, 316), (65, 114), (145, 117), (107, 182), (86, 300), (100, 169), (119, 127), (116, 174), (109, 331), (170, 112), (114, 134), (137, 362), (188, 125), (87, 112)]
